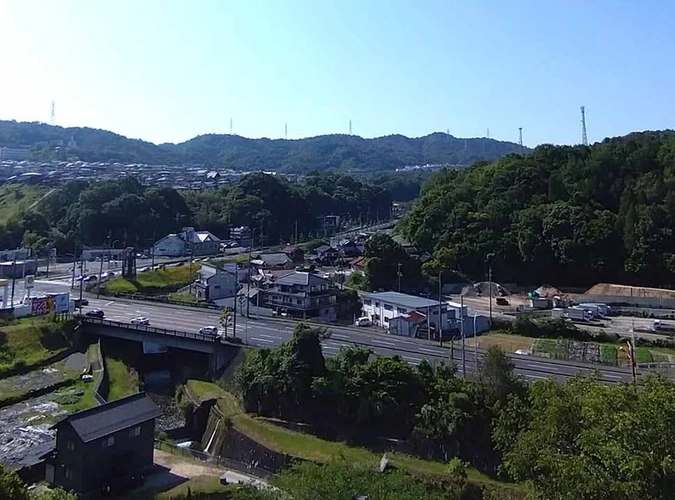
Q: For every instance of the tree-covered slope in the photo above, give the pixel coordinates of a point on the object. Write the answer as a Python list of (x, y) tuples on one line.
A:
[(240, 153), (568, 215)]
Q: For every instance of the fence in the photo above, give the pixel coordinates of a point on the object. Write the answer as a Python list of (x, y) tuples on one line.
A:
[(251, 469), (160, 331), (102, 384)]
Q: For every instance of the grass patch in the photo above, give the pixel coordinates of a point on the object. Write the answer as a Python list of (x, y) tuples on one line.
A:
[(205, 390), (16, 200), (155, 281), (184, 297), (643, 355), (313, 448), (30, 341), (609, 354), (123, 380), (77, 397), (203, 487)]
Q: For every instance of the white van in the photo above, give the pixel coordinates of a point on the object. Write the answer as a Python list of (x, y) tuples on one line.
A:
[(364, 321)]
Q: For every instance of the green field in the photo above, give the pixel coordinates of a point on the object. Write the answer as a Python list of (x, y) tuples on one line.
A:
[(185, 297), (609, 354), (154, 281), (29, 341), (15, 200)]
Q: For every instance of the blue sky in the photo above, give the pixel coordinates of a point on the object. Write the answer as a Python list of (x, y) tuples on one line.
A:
[(165, 71)]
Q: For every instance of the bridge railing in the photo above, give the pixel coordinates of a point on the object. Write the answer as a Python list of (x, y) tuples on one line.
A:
[(154, 329)]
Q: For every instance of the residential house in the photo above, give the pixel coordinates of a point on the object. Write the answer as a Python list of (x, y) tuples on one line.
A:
[(214, 283), (105, 448), (350, 248), (188, 242), (301, 294), (357, 264), (296, 254), (326, 255), (411, 249), (382, 307), (276, 260), (241, 235)]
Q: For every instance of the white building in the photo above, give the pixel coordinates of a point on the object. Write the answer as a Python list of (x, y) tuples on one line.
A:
[(188, 242), (381, 307)]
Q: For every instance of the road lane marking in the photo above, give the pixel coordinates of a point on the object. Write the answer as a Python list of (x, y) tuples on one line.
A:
[(108, 304), (429, 351), (541, 366), (614, 375), (410, 358), (276, 337), (538, 377), (267, 341), (340, 336), (382, 342)]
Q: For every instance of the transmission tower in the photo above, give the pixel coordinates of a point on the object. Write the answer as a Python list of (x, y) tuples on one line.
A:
[(52, 119), (285, 131), (488, 132), (230, 126), (584, 137), (350, 127), (520, 137)]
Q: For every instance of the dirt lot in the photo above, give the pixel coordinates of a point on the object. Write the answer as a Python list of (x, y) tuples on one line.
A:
[(186, 468), (509, 343)]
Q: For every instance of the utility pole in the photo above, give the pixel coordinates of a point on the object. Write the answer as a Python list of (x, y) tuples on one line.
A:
[(428, 322), (72, 278), (100, 274), (440, 310), (475, 342), (49, 256), (236, 290), (153, 251), (248, 288), (490, 284), (13, 278), (399, 276), (81, 279), (461, 325)]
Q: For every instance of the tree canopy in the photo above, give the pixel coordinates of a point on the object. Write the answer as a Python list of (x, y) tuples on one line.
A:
[(567, 215)]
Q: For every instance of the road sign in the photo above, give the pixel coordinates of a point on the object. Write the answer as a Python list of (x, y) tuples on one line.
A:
[(30, 281), (61, 302)]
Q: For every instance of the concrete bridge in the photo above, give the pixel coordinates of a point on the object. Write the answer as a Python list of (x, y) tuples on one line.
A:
[(218, 348)]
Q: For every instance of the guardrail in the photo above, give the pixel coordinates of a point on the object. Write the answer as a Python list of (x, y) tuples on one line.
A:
[(162, 299), (158, 330)]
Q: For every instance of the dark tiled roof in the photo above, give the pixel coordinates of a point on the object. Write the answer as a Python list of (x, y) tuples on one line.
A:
[(107, 419)]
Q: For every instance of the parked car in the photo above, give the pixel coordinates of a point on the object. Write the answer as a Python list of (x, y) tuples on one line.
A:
[(81, 302), (140, 321), (208, 330), (95, 313), (364, 321)]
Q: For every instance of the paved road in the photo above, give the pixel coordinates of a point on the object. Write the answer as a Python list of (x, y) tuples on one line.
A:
[(272, 332)]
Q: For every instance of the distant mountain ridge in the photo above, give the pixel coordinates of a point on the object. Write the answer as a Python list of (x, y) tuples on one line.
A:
[(324, 152)]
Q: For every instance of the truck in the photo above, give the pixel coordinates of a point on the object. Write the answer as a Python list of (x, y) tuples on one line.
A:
[(660, 326), (602, 309), (578, 314), (592, 309)]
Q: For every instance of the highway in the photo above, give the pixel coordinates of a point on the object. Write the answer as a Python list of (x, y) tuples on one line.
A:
[(266, 332)]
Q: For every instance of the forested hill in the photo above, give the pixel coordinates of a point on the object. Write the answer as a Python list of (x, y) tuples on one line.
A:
[(240, 153), (562, 215)]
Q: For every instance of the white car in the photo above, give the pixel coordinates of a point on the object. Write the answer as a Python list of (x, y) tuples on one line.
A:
[(208, 330), (364, 321), (140, 321)]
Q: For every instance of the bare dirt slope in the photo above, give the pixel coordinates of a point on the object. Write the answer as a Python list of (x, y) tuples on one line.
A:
[(630, 291)]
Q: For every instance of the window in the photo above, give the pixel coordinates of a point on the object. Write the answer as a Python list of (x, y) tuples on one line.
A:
[(401, 310), (386, 319), (108, 442), (135, 431), (69, 474), (377, 304), (387, 307), (70, 445)]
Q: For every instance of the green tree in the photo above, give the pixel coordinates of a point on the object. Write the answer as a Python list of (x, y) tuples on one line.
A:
[(225, 319), (11, 486)]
